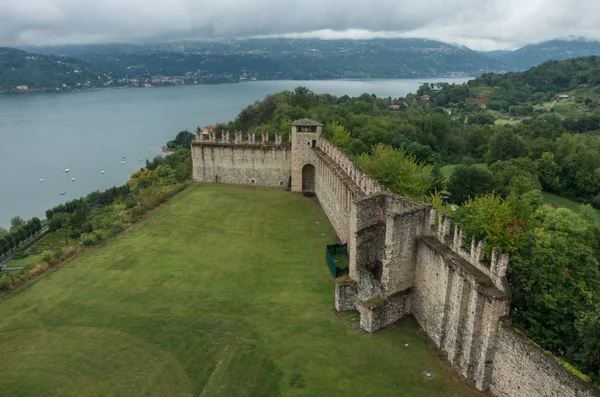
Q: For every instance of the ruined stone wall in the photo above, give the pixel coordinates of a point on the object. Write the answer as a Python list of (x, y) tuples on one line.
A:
[(261, 165), (521, 368)]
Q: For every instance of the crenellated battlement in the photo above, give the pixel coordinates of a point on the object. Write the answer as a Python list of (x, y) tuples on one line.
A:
[(238, 138), (367, 184), (441, 227)]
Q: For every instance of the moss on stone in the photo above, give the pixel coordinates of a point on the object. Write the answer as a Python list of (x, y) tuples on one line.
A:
[(345, 280), (375, 300)]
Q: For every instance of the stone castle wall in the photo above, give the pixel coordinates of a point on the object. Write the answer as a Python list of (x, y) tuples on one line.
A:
[(339, 183), (458, 299), (404, 258), (241, 162), (521, 368)]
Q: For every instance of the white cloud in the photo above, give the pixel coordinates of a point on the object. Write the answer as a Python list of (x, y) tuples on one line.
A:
[(482, 24)]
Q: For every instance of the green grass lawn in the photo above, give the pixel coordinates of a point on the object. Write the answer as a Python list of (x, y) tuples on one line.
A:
[(224, 291), (447, 170), (24, 262), (569, 108), (558, 201)]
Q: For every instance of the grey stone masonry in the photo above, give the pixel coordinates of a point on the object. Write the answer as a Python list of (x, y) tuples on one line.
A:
[(242, 161), (345, 295), (404, 258), (521, 368)]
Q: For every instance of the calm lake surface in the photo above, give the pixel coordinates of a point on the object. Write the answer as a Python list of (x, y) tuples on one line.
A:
[(90, 132)]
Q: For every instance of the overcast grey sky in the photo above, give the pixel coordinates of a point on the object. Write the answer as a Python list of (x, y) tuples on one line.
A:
[(479, 24)]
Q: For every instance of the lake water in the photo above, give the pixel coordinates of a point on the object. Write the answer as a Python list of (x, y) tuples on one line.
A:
[(90, 132)]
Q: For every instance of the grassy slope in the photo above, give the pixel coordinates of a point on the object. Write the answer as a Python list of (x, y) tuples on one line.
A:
[(558, 201), (224, 291)]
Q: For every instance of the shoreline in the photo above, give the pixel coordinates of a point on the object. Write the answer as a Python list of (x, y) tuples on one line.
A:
[(357, 79)]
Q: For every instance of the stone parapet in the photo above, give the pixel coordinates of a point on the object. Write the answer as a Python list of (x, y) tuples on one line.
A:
[(441, 228)]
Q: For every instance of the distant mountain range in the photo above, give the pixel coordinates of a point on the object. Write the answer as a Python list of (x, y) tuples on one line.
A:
[(220, 61), (535, 54)]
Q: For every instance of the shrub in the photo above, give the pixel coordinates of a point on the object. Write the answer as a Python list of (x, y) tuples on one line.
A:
[(4, 283), (68, 252), (115, 228), (20, 254), (47, 255), (499, 222), (398, 171), (88, 239), (596, 202), (39, 268)]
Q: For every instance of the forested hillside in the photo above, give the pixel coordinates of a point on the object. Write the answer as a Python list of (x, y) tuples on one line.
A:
[(578, 78), (278, 58), (534, 54), (228, 61), (495, 189), (33, 72), (549, 113)]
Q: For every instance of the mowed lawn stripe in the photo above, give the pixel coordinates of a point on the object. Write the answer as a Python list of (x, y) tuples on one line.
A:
[(223, 291)]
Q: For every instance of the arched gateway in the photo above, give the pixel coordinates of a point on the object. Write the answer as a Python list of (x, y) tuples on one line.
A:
[(308, 178)]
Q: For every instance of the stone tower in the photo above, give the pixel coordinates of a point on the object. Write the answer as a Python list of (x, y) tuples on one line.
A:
[(305, 134)]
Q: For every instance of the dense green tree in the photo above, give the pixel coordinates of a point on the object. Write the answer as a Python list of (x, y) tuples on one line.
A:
[(505, 144), (588, 328), (577, 155), (516, 176), (554, 277), (548, 172), (357, 147), (15, 222), (184, 139), (156, 161), (338, 135), (59, 221), (468, 182), (397, 171)]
